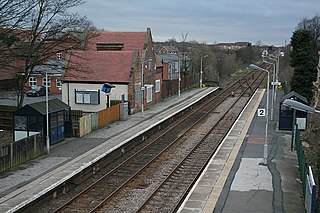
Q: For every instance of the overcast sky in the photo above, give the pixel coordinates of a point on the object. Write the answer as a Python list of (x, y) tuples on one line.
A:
[(211, 21)]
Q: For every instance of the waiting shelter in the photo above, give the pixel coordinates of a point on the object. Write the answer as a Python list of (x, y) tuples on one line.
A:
[(286, 113), (31, 119)]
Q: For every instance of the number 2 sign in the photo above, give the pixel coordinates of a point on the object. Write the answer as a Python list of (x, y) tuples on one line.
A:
[(261, 112)]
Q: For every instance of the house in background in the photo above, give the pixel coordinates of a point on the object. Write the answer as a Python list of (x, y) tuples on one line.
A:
[(8, 79), (56, 63), (159, 78), (168, 50), (118, 58), (172, 65), (54, 69), (52, 56)]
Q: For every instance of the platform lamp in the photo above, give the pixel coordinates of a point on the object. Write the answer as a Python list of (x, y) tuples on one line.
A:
[(272, 94), (47, 114), (201, 71), (265, 147)]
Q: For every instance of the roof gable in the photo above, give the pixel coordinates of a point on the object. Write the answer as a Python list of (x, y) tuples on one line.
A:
[(100, 66), (54, 105), (131, 40), (296, 96)]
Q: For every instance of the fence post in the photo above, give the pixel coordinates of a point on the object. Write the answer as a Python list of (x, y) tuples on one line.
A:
[(35, 144), (11, 155)]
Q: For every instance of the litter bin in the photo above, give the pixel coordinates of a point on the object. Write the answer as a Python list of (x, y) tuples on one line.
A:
[(123, 111)]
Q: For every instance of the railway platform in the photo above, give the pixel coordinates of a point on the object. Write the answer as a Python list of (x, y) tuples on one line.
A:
[(232, 182), (30, 181), (235, 180)]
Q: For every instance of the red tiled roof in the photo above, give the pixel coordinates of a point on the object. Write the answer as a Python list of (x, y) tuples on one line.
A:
[(100, 66), (132, 40)]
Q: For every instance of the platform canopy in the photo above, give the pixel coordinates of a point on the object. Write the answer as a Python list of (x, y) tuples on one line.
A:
[(298, 106)]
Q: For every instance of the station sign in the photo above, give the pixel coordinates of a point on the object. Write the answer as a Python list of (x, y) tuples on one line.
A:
[(261, 112), (276, 83)]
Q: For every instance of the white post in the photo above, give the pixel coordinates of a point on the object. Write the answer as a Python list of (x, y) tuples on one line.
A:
[(179, 81), (265, 147), (273, 95), (273, 79), (201, 71), (200, 83), (47, 116), (142, 84), (277, 75)]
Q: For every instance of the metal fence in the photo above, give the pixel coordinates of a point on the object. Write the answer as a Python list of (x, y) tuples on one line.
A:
[(306, 177), (170, 87), (21, 151)]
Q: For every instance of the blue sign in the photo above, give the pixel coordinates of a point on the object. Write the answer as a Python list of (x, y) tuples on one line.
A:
[(107, 87)]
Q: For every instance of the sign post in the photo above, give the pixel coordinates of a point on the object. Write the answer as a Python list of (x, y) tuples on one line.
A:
[(106, 88)]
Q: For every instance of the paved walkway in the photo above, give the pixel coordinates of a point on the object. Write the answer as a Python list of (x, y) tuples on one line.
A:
[(272, 188)]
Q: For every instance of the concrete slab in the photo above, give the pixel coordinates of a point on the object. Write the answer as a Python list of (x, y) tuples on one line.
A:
[(253, 201), (252, 176)]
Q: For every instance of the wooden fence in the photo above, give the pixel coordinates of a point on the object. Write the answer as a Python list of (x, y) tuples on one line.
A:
[(109, 115), (6, 116), (21, 151), (75, 116), (93, 121)]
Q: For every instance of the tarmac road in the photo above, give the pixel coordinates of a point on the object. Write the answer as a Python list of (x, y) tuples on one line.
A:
[(9, 98)]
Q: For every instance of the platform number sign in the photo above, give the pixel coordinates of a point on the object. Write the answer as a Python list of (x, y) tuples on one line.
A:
[(261, 112)]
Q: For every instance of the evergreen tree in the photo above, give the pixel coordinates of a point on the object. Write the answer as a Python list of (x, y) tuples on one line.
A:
[(304, 63)]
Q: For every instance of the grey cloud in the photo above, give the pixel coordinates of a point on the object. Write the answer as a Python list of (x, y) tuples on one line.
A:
[(271, 21)]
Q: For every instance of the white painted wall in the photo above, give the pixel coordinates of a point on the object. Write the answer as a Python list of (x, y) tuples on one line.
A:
[(68, 95)]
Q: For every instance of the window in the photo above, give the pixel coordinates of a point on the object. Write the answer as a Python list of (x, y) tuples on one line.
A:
[(45, 83), (157, 86), (176, 67), (32, 81), (87, 96), (58, 82), (149, 93), (149, 64), (59, 56), (137, 92), (20, 122)]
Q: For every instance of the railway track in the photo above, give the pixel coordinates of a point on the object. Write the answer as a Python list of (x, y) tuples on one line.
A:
[(171, 189), (185, 148)]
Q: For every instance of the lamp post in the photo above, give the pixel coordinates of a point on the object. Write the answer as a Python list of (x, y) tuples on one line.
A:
[(179, 80), (201, 71), (272, 94), (277, 69), (47, 115), (142, 80), (265, 147)]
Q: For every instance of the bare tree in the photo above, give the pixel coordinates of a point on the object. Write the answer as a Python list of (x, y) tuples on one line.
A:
[(313, 25), (185, 61), (37, 30)]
